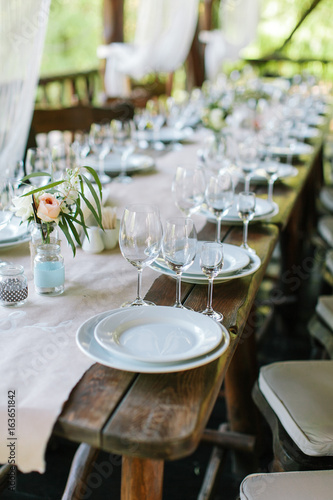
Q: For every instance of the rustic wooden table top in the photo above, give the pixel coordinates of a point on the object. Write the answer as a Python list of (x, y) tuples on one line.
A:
[(162, 416)]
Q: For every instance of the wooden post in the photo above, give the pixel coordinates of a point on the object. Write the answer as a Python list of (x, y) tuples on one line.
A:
[(113, 20), (141, 479)]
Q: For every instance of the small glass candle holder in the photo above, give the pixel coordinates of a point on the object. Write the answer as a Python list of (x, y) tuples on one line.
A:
[(49, 270), (13, 285)]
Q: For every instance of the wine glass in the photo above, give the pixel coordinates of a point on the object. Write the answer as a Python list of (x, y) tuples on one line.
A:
[(219, 197), (123, 144), (179, 249), (156, 117), (248, 159), (140, 239), (6, 197), (211, 263), (100, 145), (38, 161), (272, 173), (188, 188), (246, 206)]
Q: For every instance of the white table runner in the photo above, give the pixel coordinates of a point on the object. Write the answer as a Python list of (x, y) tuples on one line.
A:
[(39, 357)]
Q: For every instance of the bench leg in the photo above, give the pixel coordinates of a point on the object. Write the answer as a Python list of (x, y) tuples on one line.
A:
[(141, 479)]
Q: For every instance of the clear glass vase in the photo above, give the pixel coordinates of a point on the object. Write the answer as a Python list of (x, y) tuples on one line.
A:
[(49, 270), (44, 233)]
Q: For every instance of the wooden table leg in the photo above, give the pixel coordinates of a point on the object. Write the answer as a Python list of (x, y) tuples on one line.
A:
[(141, 479), (242, 413)]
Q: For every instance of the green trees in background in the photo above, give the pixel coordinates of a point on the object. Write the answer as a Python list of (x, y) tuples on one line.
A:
[(75, 30)]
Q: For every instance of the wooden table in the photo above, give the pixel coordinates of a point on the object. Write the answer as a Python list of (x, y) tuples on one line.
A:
[(152, 418)]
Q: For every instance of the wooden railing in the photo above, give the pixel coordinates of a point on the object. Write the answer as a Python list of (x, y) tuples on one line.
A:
[(69, 89)]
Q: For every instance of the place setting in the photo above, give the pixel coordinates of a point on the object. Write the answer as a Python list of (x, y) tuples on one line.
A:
[(145, 337), (111, 149)]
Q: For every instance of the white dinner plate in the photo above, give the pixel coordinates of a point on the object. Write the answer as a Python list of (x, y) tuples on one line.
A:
[(158, 334), (167, 134), (14, 231), (284, 171), (111, 163), (234, 258), (195, 279), (294, 149), (264, 210), (88, 344)]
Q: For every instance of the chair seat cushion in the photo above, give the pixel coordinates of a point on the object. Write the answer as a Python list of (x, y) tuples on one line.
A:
[(326, 197), (325, 229), (301, 395), (310, 485)]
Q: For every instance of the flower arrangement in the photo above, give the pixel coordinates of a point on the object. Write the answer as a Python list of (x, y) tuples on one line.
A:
[(60, 202), (214, 116)]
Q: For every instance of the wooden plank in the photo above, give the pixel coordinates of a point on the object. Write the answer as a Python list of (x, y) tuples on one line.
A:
[(91, 403), (163, 415)]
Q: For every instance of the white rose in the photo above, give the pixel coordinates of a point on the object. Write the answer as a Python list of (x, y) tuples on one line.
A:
[(23, 206)]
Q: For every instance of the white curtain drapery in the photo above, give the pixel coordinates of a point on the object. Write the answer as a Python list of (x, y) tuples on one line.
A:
[(22, 32), (163, 37), (238, 21)]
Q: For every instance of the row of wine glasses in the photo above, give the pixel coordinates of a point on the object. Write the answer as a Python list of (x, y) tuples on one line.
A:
[(116, 136), (191, 188), (141, 241)]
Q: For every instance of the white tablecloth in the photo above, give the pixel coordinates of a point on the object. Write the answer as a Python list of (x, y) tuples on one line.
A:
[(39, 357)]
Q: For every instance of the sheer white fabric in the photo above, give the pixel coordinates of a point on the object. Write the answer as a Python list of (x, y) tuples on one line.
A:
[(163, 37), (22, 32), (238, 20)]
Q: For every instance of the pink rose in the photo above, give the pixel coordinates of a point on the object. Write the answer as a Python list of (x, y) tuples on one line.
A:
[(48, 208)]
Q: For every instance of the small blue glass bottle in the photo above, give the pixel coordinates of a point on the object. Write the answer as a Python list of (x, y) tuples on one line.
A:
[(49, 270)]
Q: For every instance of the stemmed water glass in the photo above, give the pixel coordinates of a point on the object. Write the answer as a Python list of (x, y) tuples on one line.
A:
[(179, 249), (219, 197), (140, 239), (188, 188), (248, 159), (100, 144), (6, 197), (211, 263), (272, 173), (38, 162), (246, 206), (123, 133)]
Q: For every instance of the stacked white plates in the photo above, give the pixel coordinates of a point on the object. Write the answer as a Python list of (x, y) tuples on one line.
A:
[(14, 233), (237, 263), (152, 339), (264, 210)]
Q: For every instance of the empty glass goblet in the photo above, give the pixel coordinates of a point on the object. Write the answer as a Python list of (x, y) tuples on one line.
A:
[(188, 188), (6, 197), (140, 239), (123, 133), (219, 197), (246, 207), (100, 145), (211, 263), (248, 159), (271, 168), (38, 165), (179, 249)]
